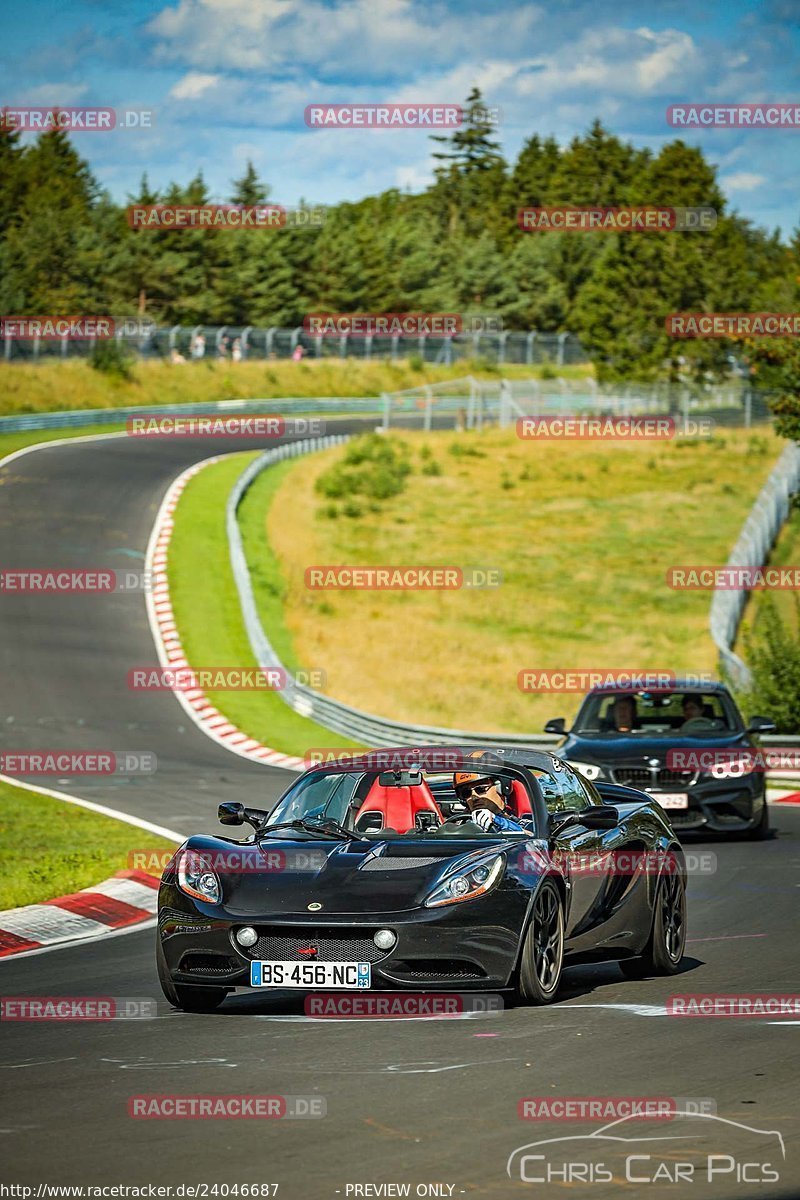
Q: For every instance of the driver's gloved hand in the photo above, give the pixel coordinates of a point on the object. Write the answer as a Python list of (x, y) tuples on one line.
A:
[(484, 818)]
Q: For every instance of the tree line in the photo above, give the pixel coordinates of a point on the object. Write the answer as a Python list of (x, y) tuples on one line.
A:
[(66, 247)]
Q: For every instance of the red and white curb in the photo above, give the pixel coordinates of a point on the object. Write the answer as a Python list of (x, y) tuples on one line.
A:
[(128, 898), (168, 643)]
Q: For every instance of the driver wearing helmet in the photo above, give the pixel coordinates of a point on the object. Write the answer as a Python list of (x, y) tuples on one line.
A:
[(483, 796)]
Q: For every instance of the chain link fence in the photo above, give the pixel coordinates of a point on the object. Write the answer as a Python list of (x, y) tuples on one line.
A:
[(183, 343), (470, 403)]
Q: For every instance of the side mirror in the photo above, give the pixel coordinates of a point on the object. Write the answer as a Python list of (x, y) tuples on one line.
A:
[(558, 821), (760, 725), (231, 812), (600, 816), (557, 725)]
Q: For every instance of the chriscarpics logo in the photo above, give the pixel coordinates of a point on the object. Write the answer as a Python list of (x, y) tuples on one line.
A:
[(692, 1148)]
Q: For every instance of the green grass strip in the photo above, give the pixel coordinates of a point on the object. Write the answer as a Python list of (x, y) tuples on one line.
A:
[(206, 604), (50, 848)]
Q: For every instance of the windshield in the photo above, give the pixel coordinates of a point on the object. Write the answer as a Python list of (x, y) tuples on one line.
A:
[(415, 802), (658, 714)]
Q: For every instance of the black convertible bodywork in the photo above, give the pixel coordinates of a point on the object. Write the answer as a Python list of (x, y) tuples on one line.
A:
[(369, 874)]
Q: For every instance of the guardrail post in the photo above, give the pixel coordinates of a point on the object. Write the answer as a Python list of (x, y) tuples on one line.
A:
[(387, 404), (428, 407)]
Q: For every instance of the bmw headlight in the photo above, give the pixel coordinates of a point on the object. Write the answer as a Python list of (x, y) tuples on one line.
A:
[(196, 879), (468, 883), (588, 770)]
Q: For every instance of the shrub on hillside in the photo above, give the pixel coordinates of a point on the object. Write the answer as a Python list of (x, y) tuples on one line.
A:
[(373, 466), (773, 655)]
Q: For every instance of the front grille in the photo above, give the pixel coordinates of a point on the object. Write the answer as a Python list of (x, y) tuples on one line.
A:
[(436, 969), (643, 777), (382, 863), (340, 945), (207, 964)]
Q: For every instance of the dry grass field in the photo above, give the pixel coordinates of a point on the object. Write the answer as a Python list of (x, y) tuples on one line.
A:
[(583, 532)]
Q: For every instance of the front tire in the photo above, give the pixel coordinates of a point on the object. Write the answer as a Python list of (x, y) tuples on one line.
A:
[(663, 953), (542, 957), (182, 996)]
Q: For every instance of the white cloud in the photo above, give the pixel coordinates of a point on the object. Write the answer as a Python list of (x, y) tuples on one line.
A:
[(193, 85), (743, 181), (63, 94), (368, 39)]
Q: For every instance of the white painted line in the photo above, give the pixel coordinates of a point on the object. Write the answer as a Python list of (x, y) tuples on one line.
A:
[(88, 437), (158, 830)]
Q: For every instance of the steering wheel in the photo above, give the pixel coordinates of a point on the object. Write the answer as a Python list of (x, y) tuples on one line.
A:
[(457, 819)]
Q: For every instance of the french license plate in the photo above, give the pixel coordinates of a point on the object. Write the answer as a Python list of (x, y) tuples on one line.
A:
[(353, 975), (671, 799)]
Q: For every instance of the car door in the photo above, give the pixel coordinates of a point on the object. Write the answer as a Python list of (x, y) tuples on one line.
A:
[(576, 846)]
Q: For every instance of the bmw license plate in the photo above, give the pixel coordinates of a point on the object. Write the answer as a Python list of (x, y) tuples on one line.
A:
[(354, 975), (671, 799)]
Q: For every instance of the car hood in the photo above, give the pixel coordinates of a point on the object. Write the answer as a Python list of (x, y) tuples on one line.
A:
[(359, 876), (633, 749)]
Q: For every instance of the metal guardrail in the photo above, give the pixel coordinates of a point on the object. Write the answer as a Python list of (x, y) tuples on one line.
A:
[(297, 405), (767, 516)]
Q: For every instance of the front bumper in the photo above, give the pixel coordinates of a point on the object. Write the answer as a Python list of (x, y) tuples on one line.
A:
[(719, 805), (469, 946)]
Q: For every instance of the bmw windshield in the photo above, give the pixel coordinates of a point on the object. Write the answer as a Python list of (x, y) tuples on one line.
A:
[(657, 714)]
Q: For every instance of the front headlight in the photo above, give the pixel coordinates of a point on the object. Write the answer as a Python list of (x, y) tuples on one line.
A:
[(467, 883), (196, 879), (588, 770)]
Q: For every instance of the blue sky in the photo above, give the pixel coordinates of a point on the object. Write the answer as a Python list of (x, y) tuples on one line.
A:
[(228, 80)]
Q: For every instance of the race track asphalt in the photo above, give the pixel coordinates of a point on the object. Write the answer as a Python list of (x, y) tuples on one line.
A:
[(409, 1101)]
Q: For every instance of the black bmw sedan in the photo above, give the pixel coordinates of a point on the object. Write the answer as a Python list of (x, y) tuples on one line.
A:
[(686, 745)]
